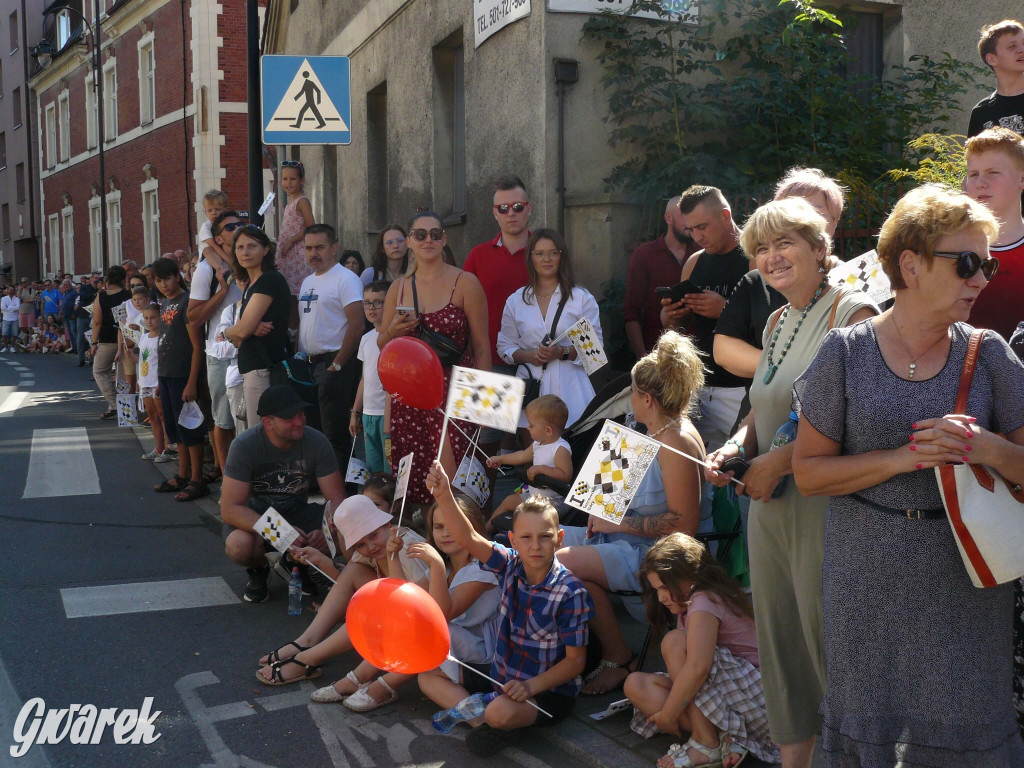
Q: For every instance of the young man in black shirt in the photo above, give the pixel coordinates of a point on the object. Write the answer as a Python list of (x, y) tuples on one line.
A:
[(1002, 48)]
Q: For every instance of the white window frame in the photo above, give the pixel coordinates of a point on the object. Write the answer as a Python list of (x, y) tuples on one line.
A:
[(53, 233), (147, 79), (63, 28), (91, 112), (151, 219), (110, 100), (51, 134), (64, 127), (95, 234), (114, 227), (67, 215)]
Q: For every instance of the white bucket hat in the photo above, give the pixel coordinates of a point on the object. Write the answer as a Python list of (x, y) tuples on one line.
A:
[(358, 517)]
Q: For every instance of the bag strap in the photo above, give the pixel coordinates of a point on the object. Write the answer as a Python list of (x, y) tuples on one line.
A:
[(835, 307), (967, 374), (554, 326), (415, 297)]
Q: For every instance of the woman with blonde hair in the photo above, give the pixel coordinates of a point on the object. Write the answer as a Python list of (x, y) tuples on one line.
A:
[(789, 242), (919, 661), (606, 556)]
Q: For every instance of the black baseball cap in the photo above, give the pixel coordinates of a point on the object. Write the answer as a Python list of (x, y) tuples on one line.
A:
[(281, 401)]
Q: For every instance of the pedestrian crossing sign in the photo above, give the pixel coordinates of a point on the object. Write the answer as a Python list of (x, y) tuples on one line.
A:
[(305, 99)]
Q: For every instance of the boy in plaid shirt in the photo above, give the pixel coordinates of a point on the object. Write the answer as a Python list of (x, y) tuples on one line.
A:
[(542, 625)]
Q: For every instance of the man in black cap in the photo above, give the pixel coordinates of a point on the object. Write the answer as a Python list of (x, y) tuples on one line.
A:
[(272, 464)]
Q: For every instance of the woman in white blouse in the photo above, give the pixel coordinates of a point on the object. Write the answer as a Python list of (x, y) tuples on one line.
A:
[(526, 324)]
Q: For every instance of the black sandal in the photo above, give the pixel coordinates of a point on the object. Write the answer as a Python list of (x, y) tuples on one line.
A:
[(213, 476), (274, 656), (313, 671), (192, 491), (108, 414), (175, 484)]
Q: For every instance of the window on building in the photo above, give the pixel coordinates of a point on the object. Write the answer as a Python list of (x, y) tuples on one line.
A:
[(3, 150), (864, 39), (150, 220), (51, 135), (91, 112), (147, 80), (64, 131), (5, 212), (16, 106), (67, 216), (13, 29), (114, 228), (19, 172), (63, 29), (377, 156), (450, 128), (110, 100), (95, 233), (53, 235)]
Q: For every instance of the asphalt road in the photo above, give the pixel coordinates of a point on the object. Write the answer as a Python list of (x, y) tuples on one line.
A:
[(112, 595)]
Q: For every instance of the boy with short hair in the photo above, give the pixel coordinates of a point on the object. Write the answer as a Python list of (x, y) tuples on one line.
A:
[(995, 177), (371, 404), (1002, 49), (542, 627), (548, 454), (215, 203)]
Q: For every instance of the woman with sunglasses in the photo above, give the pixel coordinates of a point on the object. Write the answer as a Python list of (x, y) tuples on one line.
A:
[(529, 323), (261, 331), (448, 301), (298, 214), (919, 662), (390, 258), (789, 242)]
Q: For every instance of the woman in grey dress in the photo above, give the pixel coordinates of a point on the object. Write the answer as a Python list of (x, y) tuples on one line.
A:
[(918, 661)]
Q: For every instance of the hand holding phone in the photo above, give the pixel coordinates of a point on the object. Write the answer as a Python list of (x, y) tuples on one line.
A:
[(678, 291)]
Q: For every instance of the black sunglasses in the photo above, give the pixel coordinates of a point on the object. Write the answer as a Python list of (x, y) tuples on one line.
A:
[(291, 164), (419, 235), (968, 263), (231, 226)]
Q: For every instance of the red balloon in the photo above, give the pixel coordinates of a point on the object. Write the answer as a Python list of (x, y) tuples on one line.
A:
[(397, 626), (411, 372)]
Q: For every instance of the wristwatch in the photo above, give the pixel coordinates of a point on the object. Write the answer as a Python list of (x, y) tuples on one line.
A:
[(335, 367), (566, 351)]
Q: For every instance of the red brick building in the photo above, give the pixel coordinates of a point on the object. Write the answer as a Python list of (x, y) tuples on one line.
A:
[(174, 107)]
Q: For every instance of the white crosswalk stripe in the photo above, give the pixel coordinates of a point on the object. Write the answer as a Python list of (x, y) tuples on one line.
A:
[(61, 464)]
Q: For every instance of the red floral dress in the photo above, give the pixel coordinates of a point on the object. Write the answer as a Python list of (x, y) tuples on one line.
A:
[(292, 264), (419, 431)]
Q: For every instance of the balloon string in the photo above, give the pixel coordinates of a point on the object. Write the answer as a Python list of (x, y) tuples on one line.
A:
[(491, 679)]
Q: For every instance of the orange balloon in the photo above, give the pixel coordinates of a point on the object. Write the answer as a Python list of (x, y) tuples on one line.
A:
[(411, 372), (397, 626)]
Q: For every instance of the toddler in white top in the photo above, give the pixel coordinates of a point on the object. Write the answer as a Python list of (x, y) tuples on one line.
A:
[(148, 368), (549, 454)]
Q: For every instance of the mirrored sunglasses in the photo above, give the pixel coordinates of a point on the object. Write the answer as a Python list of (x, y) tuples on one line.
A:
[(504, 208)]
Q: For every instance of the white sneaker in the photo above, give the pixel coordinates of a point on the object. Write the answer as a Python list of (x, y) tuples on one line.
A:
[(150, 455), (162, 458)]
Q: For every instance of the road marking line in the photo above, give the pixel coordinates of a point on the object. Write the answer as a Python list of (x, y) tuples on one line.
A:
[(12, 403), (145, 596), (61, 464)]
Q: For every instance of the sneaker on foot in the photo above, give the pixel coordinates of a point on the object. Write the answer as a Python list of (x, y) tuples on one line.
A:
[(151, 455), (257, 589), (162, 458)]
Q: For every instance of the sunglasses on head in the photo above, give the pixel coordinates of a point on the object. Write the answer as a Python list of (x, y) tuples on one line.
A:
[(504, 208), (419, 235), (968, 263), (291, 164)]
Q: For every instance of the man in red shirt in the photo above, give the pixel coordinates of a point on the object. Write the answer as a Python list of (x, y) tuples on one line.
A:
[(654, 264), (995, 177)]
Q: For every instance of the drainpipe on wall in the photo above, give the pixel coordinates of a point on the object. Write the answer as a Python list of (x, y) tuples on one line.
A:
[(567, 72)]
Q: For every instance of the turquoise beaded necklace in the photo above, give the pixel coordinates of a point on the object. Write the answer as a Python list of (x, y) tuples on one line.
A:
[(773, 367)]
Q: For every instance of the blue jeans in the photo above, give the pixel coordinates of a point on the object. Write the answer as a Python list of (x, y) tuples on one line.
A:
[(71, 324), (10, 330)]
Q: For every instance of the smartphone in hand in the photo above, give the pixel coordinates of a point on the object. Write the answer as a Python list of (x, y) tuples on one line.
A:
[(678, 291)]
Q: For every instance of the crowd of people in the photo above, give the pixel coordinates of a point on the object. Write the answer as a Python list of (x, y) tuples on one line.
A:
[(859, 625)]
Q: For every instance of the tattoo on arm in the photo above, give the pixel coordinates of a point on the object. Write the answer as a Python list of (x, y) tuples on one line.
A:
[(653, 526)]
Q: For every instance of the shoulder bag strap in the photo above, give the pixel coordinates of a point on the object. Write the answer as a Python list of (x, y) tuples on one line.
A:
[(773, 320), (554, 325), (967, 374), (835, 307), (415, 298)]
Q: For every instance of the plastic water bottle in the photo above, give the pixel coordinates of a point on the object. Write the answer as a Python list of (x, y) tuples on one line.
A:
[(785, 434), (295, 593), (467, 709)]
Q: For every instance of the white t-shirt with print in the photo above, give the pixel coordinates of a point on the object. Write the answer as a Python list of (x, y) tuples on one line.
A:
[(322, 302)]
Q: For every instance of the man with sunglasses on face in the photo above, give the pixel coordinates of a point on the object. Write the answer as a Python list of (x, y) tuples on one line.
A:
[(209, 294), (995, 178), (500, 266)]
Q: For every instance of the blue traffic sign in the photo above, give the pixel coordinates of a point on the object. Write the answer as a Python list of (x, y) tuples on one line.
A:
[(306, 99)]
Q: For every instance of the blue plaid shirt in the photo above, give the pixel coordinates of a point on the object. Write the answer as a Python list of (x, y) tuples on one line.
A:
[(537, 621)]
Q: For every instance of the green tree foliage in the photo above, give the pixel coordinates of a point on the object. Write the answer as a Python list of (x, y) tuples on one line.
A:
[(757, 87)]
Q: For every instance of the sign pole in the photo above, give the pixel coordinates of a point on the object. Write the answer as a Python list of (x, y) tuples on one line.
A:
[(255, 129)]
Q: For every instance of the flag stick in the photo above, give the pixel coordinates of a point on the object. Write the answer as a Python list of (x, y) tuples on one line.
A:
[(472, 442), (485, 677), (401, 511)]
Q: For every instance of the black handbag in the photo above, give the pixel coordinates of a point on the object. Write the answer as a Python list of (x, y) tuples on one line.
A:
[(532, 389), (447, 350)]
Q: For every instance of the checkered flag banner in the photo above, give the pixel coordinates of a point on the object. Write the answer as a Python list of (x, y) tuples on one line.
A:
[(120, 313), (485, 398), (402, 482), (863, 273), (471, 479), (357, 472), (588, 345), (612, 472)]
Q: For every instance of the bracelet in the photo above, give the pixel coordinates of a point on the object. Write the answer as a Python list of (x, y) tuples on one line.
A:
[(738, 444)]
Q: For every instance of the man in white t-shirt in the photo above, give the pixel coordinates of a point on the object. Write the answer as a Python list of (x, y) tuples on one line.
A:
[(10, 304), (330, 326), (209, 295)]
